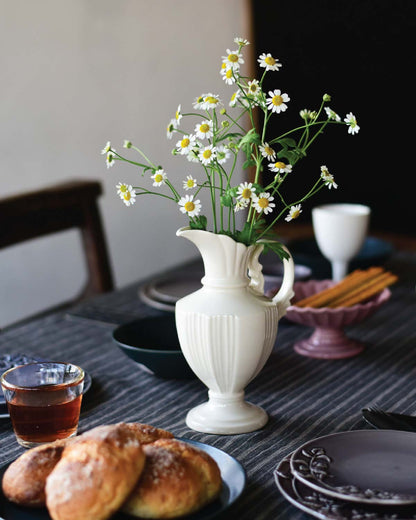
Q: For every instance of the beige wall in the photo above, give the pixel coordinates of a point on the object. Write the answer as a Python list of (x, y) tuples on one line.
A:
[(75, 74)]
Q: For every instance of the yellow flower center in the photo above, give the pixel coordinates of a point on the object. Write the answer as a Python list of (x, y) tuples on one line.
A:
[(270, 60), (204, 128), (158, 177), (189, 206), (263, 202), (233, 96), (177, 114), (190, 183), (253, 88), (277, 100), (206, 154), (268, 150), (233, 58), (280, 165), (229, 73), (246, 193), (211, 99), (123, 188), (185, 142), (127, 196), (295, 214)]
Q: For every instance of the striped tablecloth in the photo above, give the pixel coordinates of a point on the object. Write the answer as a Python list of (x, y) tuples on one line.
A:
[(305, 398)]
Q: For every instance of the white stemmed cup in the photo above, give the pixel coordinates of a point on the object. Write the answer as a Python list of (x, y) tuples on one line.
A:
[(340, 231)]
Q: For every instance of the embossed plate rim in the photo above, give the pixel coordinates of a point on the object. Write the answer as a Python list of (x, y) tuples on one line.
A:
[(334, 509), (368, 496)]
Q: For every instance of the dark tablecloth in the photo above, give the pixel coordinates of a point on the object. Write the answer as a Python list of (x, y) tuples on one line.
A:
[(305, 398)]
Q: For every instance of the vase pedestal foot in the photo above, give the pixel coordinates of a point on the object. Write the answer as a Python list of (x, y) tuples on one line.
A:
[(329, 343), (226, 415)]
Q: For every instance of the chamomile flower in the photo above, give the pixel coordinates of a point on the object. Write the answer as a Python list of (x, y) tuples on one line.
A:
[(189, 183), (189, 205), (280, 167), (106, 149), (268, 62), (253, 87), (267, 151), (128, 195), (233, 59), (263, 203), (199, 101), (246, 191), (240, 205), (171, 128), (234, 98), (331, 114), (110, 159), (207, 154), (307, 114), (328, 178), (277, 101), (223, 154), (204, 130), (210, 101), (185, 144), (353, 127), (158, 177), (178, 116), (122, 188), (242, 42), (193, 154), (127, 144), (227, 75), (294, 212)]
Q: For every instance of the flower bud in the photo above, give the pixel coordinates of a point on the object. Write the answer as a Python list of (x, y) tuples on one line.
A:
[(223, 111), (225, 124), (326, 98), (127, 144)]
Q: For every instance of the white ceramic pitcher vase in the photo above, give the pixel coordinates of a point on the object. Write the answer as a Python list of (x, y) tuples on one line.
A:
[(227, 330)]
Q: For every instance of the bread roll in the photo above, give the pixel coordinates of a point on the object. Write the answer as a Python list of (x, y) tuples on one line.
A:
[(177, 480), (96, 473), (24, 480)]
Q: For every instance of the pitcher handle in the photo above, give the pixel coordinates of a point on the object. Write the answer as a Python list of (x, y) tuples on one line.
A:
[(255, 270), (285, 293)]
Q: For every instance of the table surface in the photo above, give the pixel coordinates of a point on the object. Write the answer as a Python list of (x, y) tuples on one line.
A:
[(305, 398)]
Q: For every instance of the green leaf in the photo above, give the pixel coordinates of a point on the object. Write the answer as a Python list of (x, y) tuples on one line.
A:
[(251, 137), (287, 142), (198, 223), (249, 163), (226, 200), (276, 247)]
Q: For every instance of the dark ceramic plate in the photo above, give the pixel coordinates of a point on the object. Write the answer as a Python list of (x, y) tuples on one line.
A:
[(12, 360), (233, 484), (321, 506), (374, 467), (153, 343)]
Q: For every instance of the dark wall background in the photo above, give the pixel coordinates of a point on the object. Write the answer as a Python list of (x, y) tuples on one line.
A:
[(362, 53)]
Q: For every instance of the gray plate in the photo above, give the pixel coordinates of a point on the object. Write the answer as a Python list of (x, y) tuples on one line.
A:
[(324, 507), (374, 467)]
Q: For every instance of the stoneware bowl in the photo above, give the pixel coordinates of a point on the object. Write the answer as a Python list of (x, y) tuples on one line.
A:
[(328, 340), (153, 343)]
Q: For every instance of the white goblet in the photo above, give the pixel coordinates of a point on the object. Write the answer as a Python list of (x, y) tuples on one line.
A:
[(340, 231)]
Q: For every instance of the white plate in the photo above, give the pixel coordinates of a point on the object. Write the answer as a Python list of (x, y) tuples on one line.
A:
[(376, 467)]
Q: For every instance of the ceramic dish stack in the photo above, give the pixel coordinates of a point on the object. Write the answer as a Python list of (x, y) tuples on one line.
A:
[(353, 475)]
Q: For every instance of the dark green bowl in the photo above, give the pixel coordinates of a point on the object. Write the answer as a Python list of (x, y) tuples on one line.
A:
[(153, 343)]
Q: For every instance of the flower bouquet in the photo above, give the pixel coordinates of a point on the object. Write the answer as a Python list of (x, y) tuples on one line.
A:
[(217, 135)]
